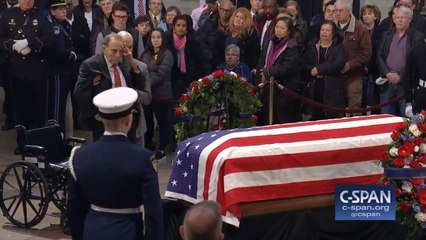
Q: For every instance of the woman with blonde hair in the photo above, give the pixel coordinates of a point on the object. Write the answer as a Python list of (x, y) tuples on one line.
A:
[(241, 32)]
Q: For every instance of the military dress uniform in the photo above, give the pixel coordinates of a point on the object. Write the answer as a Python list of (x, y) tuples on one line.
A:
[(110, 179), (30, 69), (62, 61)]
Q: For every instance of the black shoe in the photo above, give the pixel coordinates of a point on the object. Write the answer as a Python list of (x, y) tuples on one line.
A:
[(160, 156)]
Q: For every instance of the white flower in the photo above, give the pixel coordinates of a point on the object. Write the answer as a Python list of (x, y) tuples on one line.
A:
[(407, 187), (422, 148), (421, 217), (414, 129), (184, 109), (233, 74), (393, 151)]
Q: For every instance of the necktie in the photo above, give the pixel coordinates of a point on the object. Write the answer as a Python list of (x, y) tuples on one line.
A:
[(155, 21), (117, 79), (141, 8)]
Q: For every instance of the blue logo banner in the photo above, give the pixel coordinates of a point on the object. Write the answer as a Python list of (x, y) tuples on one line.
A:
[(365, 202)]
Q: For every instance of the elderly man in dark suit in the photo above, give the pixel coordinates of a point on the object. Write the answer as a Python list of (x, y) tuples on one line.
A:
[(112, 178), (104, 71)]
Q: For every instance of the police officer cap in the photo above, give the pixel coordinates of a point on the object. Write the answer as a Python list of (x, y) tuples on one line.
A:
[(56, 3), (115, 103)]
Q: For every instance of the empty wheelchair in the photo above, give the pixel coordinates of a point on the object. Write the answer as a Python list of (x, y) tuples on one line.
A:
[(28, 186)]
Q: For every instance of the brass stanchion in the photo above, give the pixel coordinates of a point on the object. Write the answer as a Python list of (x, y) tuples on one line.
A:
[(271, 100)]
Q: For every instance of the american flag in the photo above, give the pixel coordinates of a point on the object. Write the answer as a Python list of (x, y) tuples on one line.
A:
[(279, 161)]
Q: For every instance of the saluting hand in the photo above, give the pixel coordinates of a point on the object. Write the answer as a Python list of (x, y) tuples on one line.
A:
[(127, 54)]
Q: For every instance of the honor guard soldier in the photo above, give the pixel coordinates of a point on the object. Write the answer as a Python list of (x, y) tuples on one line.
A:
[(27, 36), (62, 59), (112, 178)]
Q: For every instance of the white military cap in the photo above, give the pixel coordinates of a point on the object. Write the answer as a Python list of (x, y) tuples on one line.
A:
[(115, 103)]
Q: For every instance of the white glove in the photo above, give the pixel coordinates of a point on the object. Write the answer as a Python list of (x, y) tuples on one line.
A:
[(73, 56), (409, 111), (25, 51), (20, 45)]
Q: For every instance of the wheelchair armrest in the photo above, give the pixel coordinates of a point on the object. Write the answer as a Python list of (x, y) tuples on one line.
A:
[(75, 140), (33, 151)]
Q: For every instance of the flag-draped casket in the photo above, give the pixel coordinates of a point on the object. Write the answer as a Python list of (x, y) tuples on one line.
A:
[(239, 166)]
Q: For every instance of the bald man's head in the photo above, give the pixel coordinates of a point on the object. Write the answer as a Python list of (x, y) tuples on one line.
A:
[(203, 221), (127, 39)]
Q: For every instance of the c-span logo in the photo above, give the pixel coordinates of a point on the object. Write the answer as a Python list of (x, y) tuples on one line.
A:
[(365, 202)]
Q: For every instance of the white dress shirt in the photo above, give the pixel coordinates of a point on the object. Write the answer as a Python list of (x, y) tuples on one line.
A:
[(111, 74)]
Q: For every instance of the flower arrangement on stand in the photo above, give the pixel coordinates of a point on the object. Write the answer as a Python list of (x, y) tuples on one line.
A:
[(404, 161), (222, 100)]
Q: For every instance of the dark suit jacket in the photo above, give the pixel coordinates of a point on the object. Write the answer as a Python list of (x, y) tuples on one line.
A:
[(85, 91), (99, 178)]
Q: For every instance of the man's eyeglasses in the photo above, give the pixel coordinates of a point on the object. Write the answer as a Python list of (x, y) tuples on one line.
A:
[(120, 17), (225, 10)]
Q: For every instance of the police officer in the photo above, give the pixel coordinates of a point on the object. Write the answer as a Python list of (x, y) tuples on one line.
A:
[(27, 36), (62, 59), (112, 177), (8, 107)]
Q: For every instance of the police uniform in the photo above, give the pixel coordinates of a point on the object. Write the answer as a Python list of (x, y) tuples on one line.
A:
[(111, 179), (62, 59), (27, 36)]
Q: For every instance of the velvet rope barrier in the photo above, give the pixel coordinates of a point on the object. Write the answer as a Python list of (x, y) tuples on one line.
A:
[(328, 108)]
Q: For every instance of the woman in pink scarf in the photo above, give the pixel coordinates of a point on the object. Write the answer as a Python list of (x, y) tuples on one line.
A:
[(185, 52), (280, 59)]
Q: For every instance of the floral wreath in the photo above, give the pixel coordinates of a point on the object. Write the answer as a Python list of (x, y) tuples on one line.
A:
[(404, 161), (222, 100)]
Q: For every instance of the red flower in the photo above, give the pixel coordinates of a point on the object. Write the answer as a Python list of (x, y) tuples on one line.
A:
[(384, 156), (205, 80), (238, 76), (254, 118), (416, 181), (422, 127), (218, 74), (401, 126), (186, 97), (251, 92), (398, 162), (422, 196), (404, 206), (196, 89), (386, 182), (246, 83), (418, 140), (398, 192), (422, 159), (415, 164), (178, 112), (395, 135), (405, 150)]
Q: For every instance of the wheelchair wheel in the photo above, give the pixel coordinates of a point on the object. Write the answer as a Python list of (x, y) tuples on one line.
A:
[(59, 190), (23, 194)]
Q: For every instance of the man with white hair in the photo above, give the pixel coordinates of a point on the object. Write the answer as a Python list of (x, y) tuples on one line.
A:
[(393, 56), (143, 89), (356, 40)]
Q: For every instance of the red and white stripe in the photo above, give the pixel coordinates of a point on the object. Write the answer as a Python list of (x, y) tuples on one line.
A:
[(292, 160)]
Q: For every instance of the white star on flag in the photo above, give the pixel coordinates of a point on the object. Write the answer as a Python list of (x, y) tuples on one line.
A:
[(179, 162), (197, 147), (174, 183), (185, 174), (188, 143), (187, 153), (189, 186), (213, 135)]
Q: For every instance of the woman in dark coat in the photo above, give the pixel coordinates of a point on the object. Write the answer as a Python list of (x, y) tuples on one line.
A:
[(324, 59), (241, 33), (159, 61), (280, 58), (185, 51)]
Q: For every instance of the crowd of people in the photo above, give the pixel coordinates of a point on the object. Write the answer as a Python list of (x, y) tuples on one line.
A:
[(48, 54)]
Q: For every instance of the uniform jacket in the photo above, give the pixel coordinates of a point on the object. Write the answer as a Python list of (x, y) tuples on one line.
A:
[(335, 59), (113, 173), (356, 40), (32, 25), (62, 56), (85, 91), (383, 51)]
